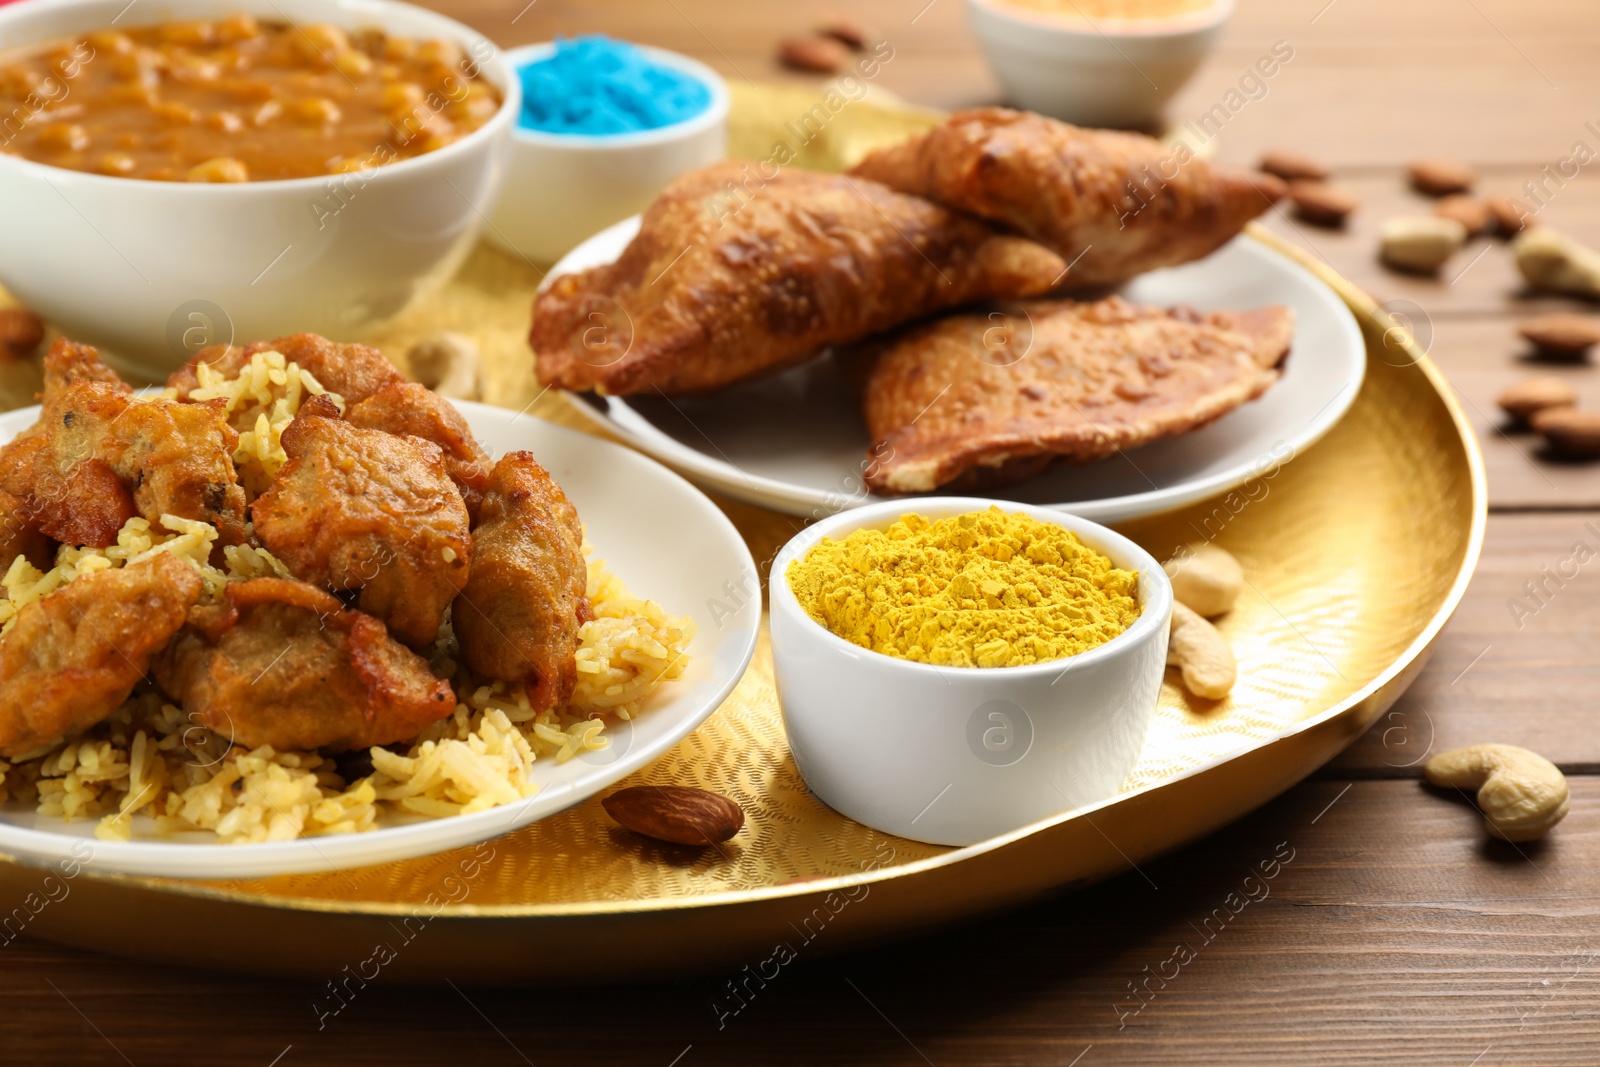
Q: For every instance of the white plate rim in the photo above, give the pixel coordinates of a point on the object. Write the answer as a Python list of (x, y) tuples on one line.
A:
[(212, 861), (763, 491)]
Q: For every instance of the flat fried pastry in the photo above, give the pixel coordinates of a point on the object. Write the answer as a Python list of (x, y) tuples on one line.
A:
[(945, 404), (1112, 204), (731, 278)]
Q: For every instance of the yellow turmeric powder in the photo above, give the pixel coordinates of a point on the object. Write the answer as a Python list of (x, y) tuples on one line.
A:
[(985, 589)]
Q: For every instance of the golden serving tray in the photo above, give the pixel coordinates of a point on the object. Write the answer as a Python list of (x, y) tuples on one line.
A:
[(1359, 550)]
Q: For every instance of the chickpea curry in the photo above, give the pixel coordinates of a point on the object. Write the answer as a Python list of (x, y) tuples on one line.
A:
[(237, 100)]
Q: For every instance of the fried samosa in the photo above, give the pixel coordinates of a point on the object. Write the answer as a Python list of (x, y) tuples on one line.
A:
[(1113, 204), (948, 405), (732, 277)]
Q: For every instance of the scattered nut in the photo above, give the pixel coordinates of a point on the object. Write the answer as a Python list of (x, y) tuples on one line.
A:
[(1441, 177), (1532, 395), (1292, 166), (848, 32), (1273, 189), (1566, 336), (815, 55), (1322, 205), (1201, 653), (1472, 214), (1510, 215), (680, 814), (20, 332), (1550, 261), (1420, 244), (1522, 795), (1570, 432), (1205, 577), (448, 364)]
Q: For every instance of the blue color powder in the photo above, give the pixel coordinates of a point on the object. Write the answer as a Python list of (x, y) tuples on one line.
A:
[(596, 85)]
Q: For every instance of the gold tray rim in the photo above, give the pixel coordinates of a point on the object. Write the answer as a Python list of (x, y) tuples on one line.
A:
[(1359, 302)]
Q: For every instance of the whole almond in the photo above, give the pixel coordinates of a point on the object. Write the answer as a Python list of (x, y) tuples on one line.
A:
[(1566, 335), (814, 55), (1441, 177), (848, 32), (1509, 215), (1292, 166), (1420, 244), (1471, 213), (680, 814), (1532, 395), (20, 332), (1320, 204), (1570, 431)]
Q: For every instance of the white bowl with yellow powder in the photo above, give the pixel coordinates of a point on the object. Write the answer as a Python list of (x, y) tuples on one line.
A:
[(1097, 62), (966, 669)]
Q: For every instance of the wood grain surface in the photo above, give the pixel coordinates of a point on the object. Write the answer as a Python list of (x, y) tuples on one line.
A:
[(1390, 931)]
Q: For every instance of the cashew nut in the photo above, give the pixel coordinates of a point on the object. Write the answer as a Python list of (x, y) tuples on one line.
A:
[(1521, 794), (1420, 244), (448, 364), (1206, 577), (1194, 645), (1550, 261)]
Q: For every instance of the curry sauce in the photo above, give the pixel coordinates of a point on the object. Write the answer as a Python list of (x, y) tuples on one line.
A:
[(237, 100)]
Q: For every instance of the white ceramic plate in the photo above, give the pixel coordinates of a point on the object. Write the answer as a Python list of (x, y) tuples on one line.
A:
[(796, 443), (662, 536)]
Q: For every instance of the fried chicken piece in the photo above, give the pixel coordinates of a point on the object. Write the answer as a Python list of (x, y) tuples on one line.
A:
[(360, 509), (99, 456), (355, 372), (377, 396), (20, 528), (83, 502), (1082, 382), (732, 277), (68, 362), (226, 360), (417, 411), (72, 657), (283, 663), (1112, 204), (518, 618), (87, 502), (20, 535)]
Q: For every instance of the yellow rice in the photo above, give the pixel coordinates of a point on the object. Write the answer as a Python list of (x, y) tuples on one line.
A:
[(149, 758)]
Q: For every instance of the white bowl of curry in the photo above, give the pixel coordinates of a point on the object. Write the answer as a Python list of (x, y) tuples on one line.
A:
[(954, 669), (179, 176)]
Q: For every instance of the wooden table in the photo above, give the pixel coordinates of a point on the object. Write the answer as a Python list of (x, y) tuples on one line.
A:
[(1397, 934)]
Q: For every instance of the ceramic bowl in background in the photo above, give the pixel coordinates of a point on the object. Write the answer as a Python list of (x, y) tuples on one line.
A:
[(1104, 72), (152, 271), (565, 187), (954, 755)]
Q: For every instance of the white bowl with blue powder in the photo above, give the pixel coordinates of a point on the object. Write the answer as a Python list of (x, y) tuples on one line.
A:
[(604, 126)]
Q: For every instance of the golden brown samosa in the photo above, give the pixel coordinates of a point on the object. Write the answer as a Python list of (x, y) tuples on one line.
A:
[(733, 276), (972, 400), (1113, 204)]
